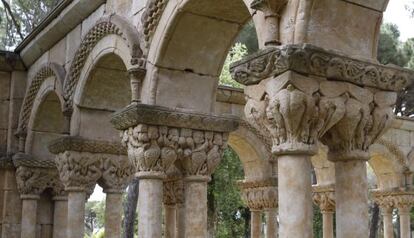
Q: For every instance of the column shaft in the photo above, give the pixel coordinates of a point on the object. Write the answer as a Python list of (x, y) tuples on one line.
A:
[(404, 222), (150, 208), (113, 215), (351, 199), (29, 216), (196, 207), (180, 222), (271, 223), (256, 223), (295, 196), (60, 217), (388, 226), (327, 218), (170, 221), (76, 214)]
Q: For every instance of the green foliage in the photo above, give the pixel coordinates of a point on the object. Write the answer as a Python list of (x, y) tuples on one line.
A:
[(236, 53), (94, 217), (229, 208), (248, 37), (27, 13), (317, 222)]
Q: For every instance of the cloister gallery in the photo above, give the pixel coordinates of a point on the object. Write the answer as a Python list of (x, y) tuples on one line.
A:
[(315, 97)]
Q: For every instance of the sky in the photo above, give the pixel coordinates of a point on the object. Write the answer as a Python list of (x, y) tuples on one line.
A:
[(397, 14)]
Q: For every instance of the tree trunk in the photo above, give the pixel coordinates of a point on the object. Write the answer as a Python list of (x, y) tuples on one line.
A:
[(130, 208), (373, 231)]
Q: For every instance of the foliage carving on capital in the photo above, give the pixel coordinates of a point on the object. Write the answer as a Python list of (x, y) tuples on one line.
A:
[(151, 148), (368, 114), (291, 110), (259, 195), (200, 152), (34, 181), (324, 197)]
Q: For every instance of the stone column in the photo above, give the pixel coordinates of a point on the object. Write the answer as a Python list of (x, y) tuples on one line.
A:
[(117, 172), (324, 197), (78, 171), (136, 76), (386, 202), (255, 223), (60, 216), (180, 220), (156, 136), (404, 201), (173, 197), (271, 222), (29, 215)]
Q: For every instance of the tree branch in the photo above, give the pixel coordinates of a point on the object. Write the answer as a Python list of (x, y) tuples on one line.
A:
[(7, 6)]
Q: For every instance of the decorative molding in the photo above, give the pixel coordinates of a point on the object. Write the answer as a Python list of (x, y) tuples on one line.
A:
[(401, 199), (311, 60), (151, 17), (26, 160), (396, 151), (79, 144), (112, 25), (45, 71), (136, 114)]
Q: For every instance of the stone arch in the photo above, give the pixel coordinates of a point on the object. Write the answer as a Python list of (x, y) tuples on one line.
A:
[(188, 49), (388, 163), (113, 25), (253, 151), (45, 71)]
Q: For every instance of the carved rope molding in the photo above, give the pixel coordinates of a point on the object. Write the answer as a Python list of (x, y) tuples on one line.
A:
[(113, 25), (312, 60), (79, 144), (136, 114)]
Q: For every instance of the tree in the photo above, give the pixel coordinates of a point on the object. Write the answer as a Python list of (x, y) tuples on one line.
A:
[(130, 208), (236, 53), (19, 17), (94, 217)]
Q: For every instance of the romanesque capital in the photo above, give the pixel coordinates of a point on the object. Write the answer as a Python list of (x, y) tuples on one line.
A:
[(260, 195), (301, 93), (401, 199), (324, 197), (156, 137), (173, 192), (384, 199), (82, 163), (35, 176)]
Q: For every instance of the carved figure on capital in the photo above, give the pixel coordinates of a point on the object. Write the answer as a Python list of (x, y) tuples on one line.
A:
[(173, 192), (117, 171), (33, 181), (324, 197), (259, 195)]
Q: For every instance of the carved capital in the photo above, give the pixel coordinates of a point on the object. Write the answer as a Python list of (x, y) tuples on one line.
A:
[(259, 195), (34, 181), (78, 170), (173, 192), (291, 110), (368, 114), (402, 199), (117, 172), (324, 197)]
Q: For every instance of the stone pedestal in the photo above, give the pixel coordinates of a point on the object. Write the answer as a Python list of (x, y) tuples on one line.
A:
[(60, 216), (76, 212), (29, 216), (196, 206), (113, 214), (255, 223), (271, 223)]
